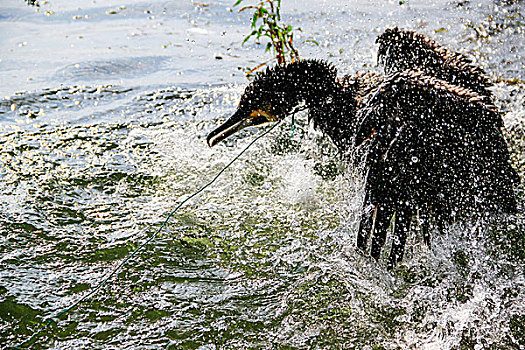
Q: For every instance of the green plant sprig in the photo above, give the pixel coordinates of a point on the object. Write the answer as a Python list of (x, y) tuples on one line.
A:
[(280, 35)]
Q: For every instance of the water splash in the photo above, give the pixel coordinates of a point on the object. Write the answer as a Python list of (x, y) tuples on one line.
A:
[(265, 258)]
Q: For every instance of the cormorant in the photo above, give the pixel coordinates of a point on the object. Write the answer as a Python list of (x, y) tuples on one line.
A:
[(433, 139)]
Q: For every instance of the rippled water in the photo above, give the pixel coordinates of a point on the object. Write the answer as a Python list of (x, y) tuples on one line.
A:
[(102, 133)]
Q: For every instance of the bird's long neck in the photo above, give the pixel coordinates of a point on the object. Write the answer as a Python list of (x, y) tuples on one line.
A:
[(332, 110), (332, 105)]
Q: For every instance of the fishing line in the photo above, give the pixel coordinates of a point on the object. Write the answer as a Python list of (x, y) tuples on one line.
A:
[(293, 113), (110, 274), (293, 126)]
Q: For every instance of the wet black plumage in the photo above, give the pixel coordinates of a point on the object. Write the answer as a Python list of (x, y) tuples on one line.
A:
[(430, 133)]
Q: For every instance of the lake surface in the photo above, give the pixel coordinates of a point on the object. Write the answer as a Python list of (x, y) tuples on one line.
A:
[(104, 111)]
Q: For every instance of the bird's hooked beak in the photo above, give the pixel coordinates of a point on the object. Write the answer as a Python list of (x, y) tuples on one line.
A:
[(239, 121)]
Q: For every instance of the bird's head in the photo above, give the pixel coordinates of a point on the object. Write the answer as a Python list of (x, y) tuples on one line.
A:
[(274, 93)]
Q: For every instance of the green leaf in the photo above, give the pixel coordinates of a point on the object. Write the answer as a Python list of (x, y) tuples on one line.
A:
[(249, 36), (260, 31), (255, 18), (238, 2), (312, 41)]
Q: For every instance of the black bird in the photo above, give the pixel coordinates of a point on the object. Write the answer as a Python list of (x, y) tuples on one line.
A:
[(433, 139)]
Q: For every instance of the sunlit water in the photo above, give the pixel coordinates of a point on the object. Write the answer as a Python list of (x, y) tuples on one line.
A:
[(102, 133)]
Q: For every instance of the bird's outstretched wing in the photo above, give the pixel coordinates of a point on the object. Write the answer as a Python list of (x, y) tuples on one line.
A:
[(433, 147), (400, 50)]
